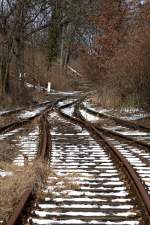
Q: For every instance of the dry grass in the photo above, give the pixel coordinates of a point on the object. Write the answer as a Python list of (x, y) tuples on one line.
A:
[(2, 122), (106, 100), (7, 151), (6, 120), (39, 96), (39, 71), (58, 78), (13, 187), (110, 99)]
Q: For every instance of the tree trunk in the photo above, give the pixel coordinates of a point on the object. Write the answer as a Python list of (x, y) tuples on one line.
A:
[(18, 46), (5, 59), (67, 33), (54, 33)]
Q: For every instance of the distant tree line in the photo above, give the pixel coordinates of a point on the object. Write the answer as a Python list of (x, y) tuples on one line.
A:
[(117, 61), (60, 22), (99, 32)]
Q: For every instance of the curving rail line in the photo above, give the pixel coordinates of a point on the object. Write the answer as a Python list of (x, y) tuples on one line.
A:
[(134, 177), (130, 124), (121, 122), (20, 122), (101, 136)]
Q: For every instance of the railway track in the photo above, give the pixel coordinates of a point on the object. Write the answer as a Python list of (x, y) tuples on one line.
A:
[(24, 142), (123, 127), (19, 110), (25, 135), (24, 120), (25, 116), (43, 154), (137, 156), (93, 180), (130, 130), (135, 151), (126, 123)]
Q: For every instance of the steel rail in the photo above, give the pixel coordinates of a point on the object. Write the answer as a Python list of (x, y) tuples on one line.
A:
[(142, 194), (126, 123), (116, 134), (50, 103), (15, 218), (68, 105), (81, 99), (78, 101), (44, 154), (133, 140), (140, 188), (22, 109), (45, 145), (19, 123)]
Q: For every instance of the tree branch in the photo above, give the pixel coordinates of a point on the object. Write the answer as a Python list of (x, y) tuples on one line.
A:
[(38, 29)]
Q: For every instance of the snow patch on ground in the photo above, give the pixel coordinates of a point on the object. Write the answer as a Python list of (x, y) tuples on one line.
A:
[(125, 113), (98, 109), (69, 111), (28, 145), (3, 111), (78, 221), (127, 132), (89, 116), (27, 114), (135, 117), (55, 92), (5, 174), (64, 102)]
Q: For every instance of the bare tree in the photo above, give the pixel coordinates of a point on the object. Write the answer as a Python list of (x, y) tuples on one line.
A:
[(19, 20)]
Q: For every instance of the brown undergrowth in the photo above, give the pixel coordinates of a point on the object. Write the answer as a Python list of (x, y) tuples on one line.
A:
[(8, 151), (59, 78), (20, 180), (111, 100)]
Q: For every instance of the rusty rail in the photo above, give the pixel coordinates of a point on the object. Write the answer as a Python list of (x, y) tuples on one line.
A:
[(19, 123), (45, 145), (130, 124), (139, 186), (116, 134), (15, 218), (142, 194), (22, 109), (133, 140), (68, 105)]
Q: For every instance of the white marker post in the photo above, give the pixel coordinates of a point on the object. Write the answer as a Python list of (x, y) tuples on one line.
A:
[(49, 87), (20, 76)]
